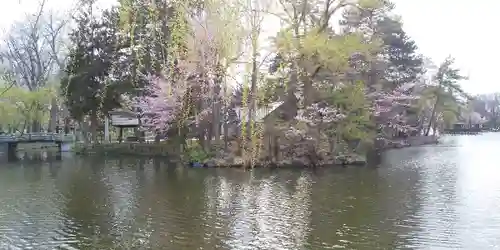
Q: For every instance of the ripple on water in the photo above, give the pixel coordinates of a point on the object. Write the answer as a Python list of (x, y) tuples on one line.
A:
[(420, 198)]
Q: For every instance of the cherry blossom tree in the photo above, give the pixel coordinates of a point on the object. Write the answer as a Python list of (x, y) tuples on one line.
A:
[(160, 104), (389, 110)]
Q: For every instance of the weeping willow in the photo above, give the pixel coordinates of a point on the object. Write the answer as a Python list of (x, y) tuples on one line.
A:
[(21, 106)]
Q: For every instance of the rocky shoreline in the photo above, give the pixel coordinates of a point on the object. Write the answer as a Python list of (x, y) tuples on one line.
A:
[(330, 160), (229, 161), (413, 141)]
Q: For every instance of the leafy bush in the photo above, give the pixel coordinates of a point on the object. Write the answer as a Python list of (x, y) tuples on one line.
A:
[(195, 153)]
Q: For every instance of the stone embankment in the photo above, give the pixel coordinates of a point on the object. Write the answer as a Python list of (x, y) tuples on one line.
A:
[(294, 159), (413, 141)]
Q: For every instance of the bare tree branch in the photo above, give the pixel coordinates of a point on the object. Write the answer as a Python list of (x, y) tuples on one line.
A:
[(33, 48)]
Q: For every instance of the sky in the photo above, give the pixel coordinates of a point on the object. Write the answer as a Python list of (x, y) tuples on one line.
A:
[(460, 28), (439, 27)]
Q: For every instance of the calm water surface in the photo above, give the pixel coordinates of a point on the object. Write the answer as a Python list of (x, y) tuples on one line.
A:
[(438, 197)]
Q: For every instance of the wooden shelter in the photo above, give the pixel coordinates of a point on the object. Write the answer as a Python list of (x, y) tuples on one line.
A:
[(121, 119)]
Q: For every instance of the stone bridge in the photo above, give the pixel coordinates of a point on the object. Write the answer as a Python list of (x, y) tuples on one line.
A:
[(8, 143)]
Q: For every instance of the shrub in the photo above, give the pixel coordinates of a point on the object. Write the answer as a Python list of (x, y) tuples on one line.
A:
[(195, 153)]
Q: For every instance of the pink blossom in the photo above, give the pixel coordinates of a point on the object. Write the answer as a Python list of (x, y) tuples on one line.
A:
[(160, 104), (316, 114), (389, 108)]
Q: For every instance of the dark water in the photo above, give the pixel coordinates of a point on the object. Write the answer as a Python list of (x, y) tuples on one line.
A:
[(439, 197)]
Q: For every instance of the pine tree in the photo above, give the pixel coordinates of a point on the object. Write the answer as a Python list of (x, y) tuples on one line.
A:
[(89, 88)]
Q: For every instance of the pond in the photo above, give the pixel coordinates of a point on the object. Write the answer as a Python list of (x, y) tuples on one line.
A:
[(435, 197)]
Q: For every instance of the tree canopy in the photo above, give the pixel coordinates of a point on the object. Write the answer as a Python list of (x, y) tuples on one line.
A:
[(205, 70)]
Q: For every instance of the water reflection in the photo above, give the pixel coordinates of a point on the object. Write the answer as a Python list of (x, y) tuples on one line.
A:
[(256, 213), (441, 197)]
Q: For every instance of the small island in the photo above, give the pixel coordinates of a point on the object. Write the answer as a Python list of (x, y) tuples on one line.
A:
[(262, 124), (309, 98)]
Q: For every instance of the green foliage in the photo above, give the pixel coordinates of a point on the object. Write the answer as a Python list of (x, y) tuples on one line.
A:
[(372, 4), (197, 43), (351, 101), (334, 52), (196, 153), (87, 88), (19, 105), (448, 92), (405, 64), (325, 50), (448, 77), (156, 34), (270, 91)]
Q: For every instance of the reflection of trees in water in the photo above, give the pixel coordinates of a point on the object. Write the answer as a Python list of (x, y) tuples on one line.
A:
[(257, 210), (435, 190), (33, 163), (32, 172), (423, 184), (358, 209), (218, 208), (283, 217), (87, 207), (54, 168), (182, 209), (162, 205), (123, 180), (148, 203), (29, 206), (33, 157)]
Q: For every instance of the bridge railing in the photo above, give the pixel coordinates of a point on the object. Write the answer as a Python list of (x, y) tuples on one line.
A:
[(7, 138), (48, 137)]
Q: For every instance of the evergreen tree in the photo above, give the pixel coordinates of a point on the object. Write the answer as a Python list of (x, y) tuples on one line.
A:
[(90, 88)]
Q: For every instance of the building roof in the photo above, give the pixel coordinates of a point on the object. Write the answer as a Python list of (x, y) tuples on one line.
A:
[(123, 112), (260, 114)]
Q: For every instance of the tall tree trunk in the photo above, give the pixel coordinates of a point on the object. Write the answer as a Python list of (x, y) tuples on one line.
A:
[(216, 107), (27, 128), (53, 115), (291, 99), (252, 95), (226, 136), (93, 126), (210, 133), (35, 126), (84, 129), (433, 115), (226, 126), (157, 136)]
